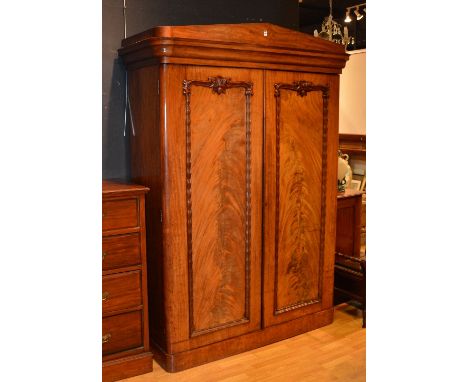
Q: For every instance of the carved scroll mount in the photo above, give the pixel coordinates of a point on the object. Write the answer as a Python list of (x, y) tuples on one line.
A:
[(219, 85), (302, 88)]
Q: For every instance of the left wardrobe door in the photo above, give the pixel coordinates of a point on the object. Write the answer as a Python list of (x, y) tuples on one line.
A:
[(212, 133)]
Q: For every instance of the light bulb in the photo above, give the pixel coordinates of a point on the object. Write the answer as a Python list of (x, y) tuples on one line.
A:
[(348, 18), (358, 15)]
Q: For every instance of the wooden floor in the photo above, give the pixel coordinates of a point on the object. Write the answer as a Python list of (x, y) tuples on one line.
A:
[(336, 352)]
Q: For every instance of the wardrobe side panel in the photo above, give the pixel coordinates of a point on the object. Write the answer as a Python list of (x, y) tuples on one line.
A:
[(146, 165)]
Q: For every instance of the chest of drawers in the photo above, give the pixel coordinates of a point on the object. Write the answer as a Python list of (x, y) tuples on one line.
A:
[(125, 341)]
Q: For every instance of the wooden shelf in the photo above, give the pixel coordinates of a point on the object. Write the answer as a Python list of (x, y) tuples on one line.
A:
[(354, 145)]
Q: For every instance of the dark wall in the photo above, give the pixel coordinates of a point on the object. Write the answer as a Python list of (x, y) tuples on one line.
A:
[(145, 14)]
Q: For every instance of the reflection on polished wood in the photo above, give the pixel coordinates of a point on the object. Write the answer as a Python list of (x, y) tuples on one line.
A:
[(333, 353)]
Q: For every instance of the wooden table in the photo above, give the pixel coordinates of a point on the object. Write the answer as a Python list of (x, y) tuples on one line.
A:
[(350, 263)]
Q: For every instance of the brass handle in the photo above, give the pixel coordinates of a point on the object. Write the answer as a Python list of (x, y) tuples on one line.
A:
[(104, 254), (106, 338), (105, 296)]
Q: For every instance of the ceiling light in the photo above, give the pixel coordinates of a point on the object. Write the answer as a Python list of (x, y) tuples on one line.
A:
[(358, 15), (348, 18), (332, 31)]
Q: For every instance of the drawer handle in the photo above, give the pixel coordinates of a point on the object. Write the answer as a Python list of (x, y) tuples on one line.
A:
[(106, 338), (104, 254), (105, 296)]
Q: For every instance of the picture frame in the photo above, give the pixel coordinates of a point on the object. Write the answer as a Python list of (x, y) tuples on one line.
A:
[(355, 185)]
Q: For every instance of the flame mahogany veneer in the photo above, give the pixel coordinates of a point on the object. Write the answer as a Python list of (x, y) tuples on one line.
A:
[(236, 135)]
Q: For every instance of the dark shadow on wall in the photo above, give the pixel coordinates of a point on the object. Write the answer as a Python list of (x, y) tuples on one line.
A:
[(145, 14), (114, 145), (141, 15), (115, 160)]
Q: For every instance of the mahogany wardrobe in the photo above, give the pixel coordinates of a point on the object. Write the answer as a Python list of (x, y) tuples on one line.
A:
[(235, 132)]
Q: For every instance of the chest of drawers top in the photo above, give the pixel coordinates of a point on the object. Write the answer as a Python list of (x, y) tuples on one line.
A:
[(116, 188), (121, 207)]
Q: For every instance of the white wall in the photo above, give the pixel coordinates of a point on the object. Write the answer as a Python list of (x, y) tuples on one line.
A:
[(353, 95)]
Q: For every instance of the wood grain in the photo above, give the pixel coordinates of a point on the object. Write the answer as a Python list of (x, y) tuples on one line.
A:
[(251, 33), (336, 352), (125, 309), (121, 291), (146, 168), (121, 213), (218, 203), (354, 145), (118, 369), (299, 200), (348, 224), (298, 274), (112, 188), (199, 355), (259, 45), (120, 251), (123, 331), (225, 257), (213, 276)]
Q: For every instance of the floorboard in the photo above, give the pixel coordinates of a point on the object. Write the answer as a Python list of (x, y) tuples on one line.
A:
[(336, 352)]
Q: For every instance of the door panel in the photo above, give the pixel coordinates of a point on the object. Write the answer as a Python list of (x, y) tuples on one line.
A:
[(222, 130), (219, 207), (296, 185), (300, 210)]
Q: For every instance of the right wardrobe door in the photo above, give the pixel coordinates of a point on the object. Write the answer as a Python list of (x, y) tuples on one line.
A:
[(301, 134)]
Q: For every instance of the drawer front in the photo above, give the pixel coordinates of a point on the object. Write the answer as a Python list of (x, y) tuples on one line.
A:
[(120, 251), (121, 291), (118, 214), (122, 332)]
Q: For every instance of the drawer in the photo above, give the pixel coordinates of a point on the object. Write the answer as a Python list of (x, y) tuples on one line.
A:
[(120, 251), (122, 332), (118, 214), (121, 291)]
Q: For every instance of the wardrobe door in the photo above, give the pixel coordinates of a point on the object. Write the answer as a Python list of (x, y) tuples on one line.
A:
[(213, 197), (300, 194)]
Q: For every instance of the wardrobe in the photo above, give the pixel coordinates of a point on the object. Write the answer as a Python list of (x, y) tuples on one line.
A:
[(235, 132)]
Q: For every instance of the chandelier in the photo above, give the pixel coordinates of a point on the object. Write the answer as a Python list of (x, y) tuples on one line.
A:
[(332, 31)]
